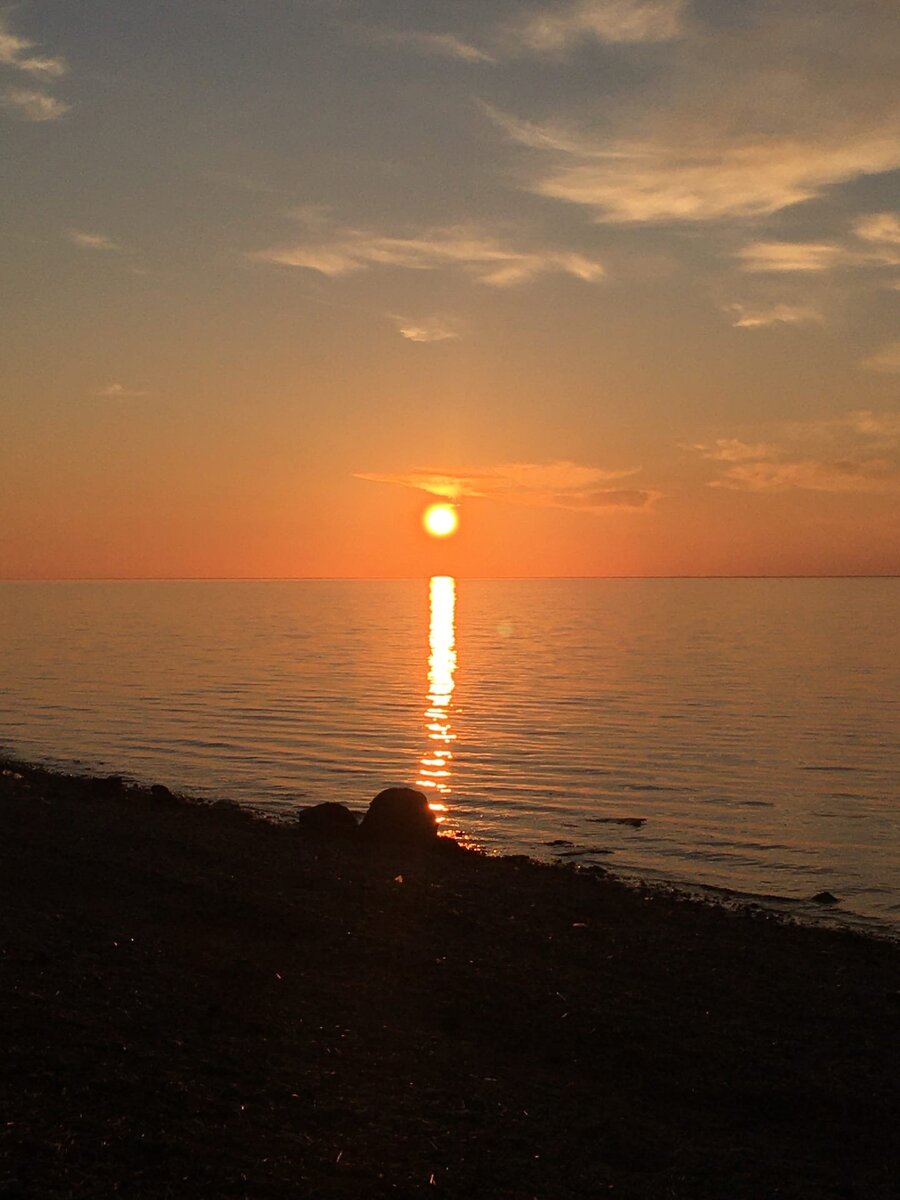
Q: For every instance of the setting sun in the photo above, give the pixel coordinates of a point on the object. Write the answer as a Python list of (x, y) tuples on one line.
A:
[(440, 520)]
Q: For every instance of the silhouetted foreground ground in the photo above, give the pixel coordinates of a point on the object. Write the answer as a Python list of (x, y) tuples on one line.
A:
[(198, 1004)]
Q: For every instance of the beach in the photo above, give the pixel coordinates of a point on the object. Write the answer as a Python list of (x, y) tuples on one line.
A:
[(197, 1001)]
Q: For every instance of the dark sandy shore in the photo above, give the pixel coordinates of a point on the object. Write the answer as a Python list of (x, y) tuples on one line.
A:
[(199, 1004)]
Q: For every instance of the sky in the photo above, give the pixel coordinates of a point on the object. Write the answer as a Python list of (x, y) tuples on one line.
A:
[(619, 278)]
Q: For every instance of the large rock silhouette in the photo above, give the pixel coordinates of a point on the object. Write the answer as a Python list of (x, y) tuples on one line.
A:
[(399, 815)]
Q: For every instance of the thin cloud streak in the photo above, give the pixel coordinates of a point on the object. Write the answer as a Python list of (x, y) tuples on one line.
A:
[(881, 250), (845, 475), (745, 317), (564, 485), (442, 45), (700, 178), (790, 256), (336, 252), (880, 430), (551, 30), (93, 241), (32, 105), (858, 451), (427, 329), (733, 450), (15, 51), (556, 29), (886, 360), (879, 227), (118, 391)]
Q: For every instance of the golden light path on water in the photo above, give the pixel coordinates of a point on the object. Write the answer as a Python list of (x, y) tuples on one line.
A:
[(435, 764)]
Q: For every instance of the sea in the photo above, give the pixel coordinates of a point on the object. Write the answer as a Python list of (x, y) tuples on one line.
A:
[(737, 737)]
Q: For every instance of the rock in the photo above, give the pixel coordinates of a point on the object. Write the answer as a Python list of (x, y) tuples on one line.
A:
[(328, 820), (159, 791), (824, 898), (449, 845), (583, 850), (399, 814)]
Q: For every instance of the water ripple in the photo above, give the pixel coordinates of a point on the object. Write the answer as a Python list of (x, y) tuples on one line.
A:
[(721, 717)]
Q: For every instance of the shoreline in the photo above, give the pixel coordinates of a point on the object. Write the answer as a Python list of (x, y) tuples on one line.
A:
[(199, 1001), (803, 910)]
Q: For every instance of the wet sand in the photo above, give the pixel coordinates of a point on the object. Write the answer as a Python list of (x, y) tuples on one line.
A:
[(198, 1003)]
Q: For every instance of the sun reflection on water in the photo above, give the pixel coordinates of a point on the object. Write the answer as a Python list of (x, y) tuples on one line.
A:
[(435, 764)]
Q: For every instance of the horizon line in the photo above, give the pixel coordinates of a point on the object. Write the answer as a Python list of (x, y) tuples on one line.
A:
[(418, 578)]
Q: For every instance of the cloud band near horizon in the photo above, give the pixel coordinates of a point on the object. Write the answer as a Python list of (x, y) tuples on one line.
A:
[(560, 484)]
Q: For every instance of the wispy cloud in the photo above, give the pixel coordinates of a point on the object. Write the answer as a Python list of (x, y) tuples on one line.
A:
[(841, 475), (695, 175), (733, 450), (443, 45), (16, 51), (738, 121), (861, 426), (32, 105), (879, 227), (537, 485), (551, 29), (878, 233), (428, 329), (747, 317), (335, 251), (858, 451), (93, 241), (790, 256), (887, 359), (884, 427), (118, 391)]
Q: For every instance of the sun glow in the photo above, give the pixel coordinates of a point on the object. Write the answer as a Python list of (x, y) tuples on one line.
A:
[(440, 520)]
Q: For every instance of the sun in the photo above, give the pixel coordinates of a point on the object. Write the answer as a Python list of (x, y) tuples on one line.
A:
[(440, 520)]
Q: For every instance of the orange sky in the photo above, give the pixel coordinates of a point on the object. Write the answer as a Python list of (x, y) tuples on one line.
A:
[(619, 278)]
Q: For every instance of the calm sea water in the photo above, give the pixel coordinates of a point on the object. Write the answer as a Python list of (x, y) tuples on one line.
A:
[(747, 730)]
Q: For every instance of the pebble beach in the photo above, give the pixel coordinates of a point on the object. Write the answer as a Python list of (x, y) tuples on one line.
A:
[(197, 1001)]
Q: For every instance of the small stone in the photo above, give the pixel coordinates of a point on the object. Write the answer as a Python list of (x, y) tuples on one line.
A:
[(328, 820), (824, 898)]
